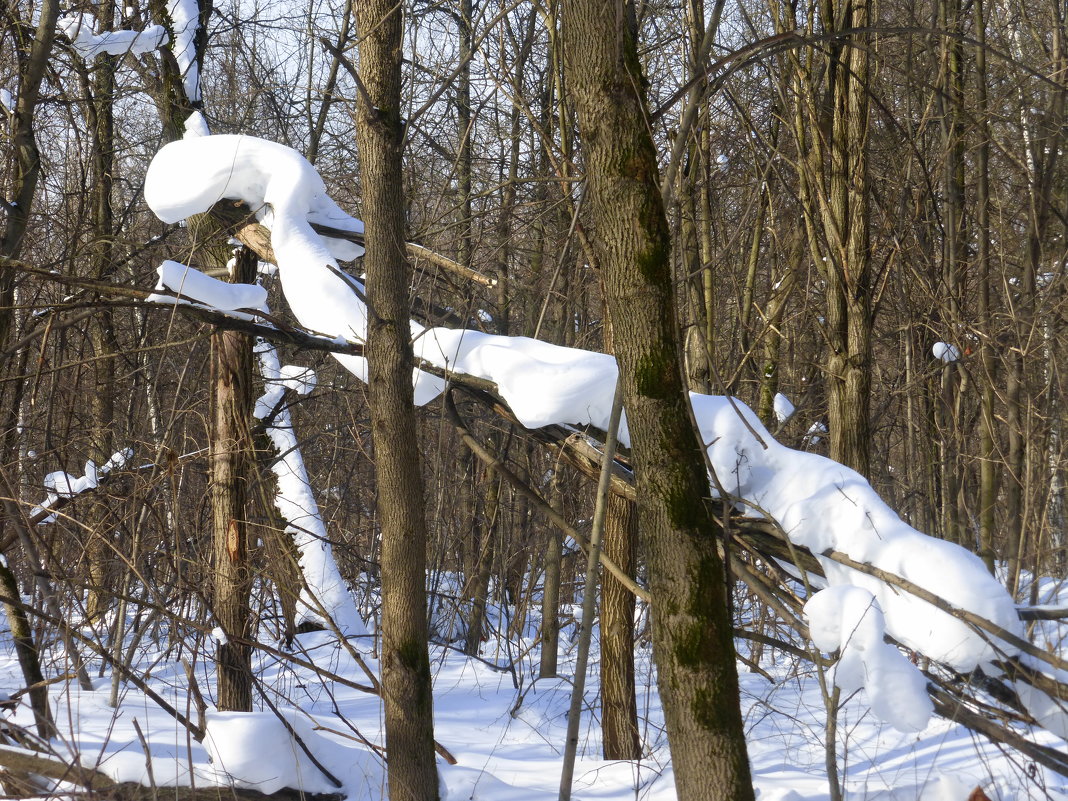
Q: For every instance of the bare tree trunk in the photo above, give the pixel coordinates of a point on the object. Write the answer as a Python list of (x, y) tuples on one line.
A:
[(28, 656), (483, 540), (22, 193), (831, 128), (231, 463), (619, 706), (769, 375), (406, 682), (101, 334), (988, 468), (949, 97), (550, 594), (691, 625)]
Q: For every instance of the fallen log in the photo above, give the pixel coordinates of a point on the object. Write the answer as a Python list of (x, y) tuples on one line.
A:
[(22, 761)]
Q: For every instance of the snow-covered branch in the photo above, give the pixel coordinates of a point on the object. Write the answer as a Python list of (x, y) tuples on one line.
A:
[(819, 504), (81, 30)]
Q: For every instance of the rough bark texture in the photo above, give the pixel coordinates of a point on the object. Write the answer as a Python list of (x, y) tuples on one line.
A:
[(231, 449), (102, 119), (691, 627), (25, 166), (831, 128), (28, 656), (406, 682), (550, 596), (619, 706)]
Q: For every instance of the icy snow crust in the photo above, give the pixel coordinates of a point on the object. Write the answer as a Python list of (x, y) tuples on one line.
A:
[(819, 503)]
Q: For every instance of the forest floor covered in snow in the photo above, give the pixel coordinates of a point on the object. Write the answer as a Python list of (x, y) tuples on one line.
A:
[(505, 727)]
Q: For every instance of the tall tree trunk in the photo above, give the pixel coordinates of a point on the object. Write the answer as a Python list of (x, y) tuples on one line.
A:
[(28, 655), (22, 191), (483, 538), (101, 334), (850, 311), (619, 706), (988, 468), (831, 129), (405, 661), (949, 99), (691, 626), (464, 122), (231, 462), (550, 594)]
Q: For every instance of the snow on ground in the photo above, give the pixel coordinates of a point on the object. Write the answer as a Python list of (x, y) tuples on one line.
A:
[(508, 740)]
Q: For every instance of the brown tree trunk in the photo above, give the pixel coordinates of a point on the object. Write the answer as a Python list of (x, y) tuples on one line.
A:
[(101, 334), (28, 656), (691, 627), (619, 706), (831, 128), (483, 537), (231, 462), (22, 191), (406, 682), (550, 595)]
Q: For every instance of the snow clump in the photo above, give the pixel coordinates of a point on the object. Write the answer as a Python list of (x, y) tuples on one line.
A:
[(945, 352), (784, 409), (849, 620)]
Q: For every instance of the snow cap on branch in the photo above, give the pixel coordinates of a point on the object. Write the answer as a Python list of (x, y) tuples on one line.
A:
[(849, 620), (192, 284), (81, 30), (945, 352)]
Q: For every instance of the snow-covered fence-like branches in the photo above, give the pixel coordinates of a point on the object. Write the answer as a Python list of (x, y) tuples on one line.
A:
[(820, 505)]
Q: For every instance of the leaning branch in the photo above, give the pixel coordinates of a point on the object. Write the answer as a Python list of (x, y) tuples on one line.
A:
[(251, 322), (540, 503), (257, 237)]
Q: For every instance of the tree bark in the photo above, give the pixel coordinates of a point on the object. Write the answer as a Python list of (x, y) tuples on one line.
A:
[(691, 627), (231, 450), (22, 192), (101, 332), (28, 655), (406, 685), (619, 706), (831, 128)]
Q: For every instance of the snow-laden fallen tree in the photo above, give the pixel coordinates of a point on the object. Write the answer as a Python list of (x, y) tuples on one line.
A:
[(820, 505)]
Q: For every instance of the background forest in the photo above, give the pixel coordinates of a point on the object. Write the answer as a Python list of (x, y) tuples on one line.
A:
[(866, 203)]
